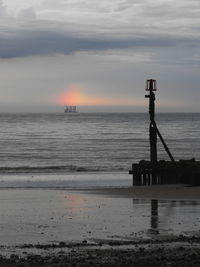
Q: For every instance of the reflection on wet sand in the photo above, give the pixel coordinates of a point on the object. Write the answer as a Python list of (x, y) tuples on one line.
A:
[(154, 216), (158, 221), (165, 218)]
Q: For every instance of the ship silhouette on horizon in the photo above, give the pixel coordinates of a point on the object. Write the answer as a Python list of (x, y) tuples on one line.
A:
[(70, 109)]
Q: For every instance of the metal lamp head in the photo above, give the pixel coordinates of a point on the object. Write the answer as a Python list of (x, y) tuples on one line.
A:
[(151, 85)]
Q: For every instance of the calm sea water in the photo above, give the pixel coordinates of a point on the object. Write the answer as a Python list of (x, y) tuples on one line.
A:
[(63, 143)]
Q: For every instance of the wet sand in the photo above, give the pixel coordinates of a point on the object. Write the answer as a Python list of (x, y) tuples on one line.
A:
[(90, 218), (181, 192)]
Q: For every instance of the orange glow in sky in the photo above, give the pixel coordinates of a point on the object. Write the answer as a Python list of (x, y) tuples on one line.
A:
[(74, 96)]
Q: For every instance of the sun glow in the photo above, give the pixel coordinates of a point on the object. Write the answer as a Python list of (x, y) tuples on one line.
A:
[(72, 96), (75, 96)]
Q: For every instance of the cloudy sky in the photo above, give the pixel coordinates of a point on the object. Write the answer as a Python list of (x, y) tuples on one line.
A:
[(101, 52)]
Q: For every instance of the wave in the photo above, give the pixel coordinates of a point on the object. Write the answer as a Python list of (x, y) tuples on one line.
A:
[(57, 169)]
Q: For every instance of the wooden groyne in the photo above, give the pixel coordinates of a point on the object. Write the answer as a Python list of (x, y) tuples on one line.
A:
[(166, 172), (156, 172)]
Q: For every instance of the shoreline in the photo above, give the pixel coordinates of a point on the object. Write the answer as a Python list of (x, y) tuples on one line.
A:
[(116, 184), (158, 192)]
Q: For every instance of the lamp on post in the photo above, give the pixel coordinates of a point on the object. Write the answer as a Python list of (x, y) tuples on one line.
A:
[(151, 85)]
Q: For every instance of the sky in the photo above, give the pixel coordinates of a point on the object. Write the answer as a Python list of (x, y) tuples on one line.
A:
[(99, 54)]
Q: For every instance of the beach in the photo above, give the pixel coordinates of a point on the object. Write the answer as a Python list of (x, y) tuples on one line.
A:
[(67, 198), (97, 225), (97, 98)]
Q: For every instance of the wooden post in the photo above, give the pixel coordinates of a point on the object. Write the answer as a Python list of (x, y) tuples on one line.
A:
[(151, 86)]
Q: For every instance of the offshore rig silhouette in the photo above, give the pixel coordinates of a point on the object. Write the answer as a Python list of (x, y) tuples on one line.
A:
[(156, 172)]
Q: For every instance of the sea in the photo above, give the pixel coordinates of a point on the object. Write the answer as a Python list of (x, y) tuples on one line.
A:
[(93, 142), (83, 143)]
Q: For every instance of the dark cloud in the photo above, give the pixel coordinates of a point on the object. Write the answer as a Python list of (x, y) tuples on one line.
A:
[(36, 39), (97, 26)]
